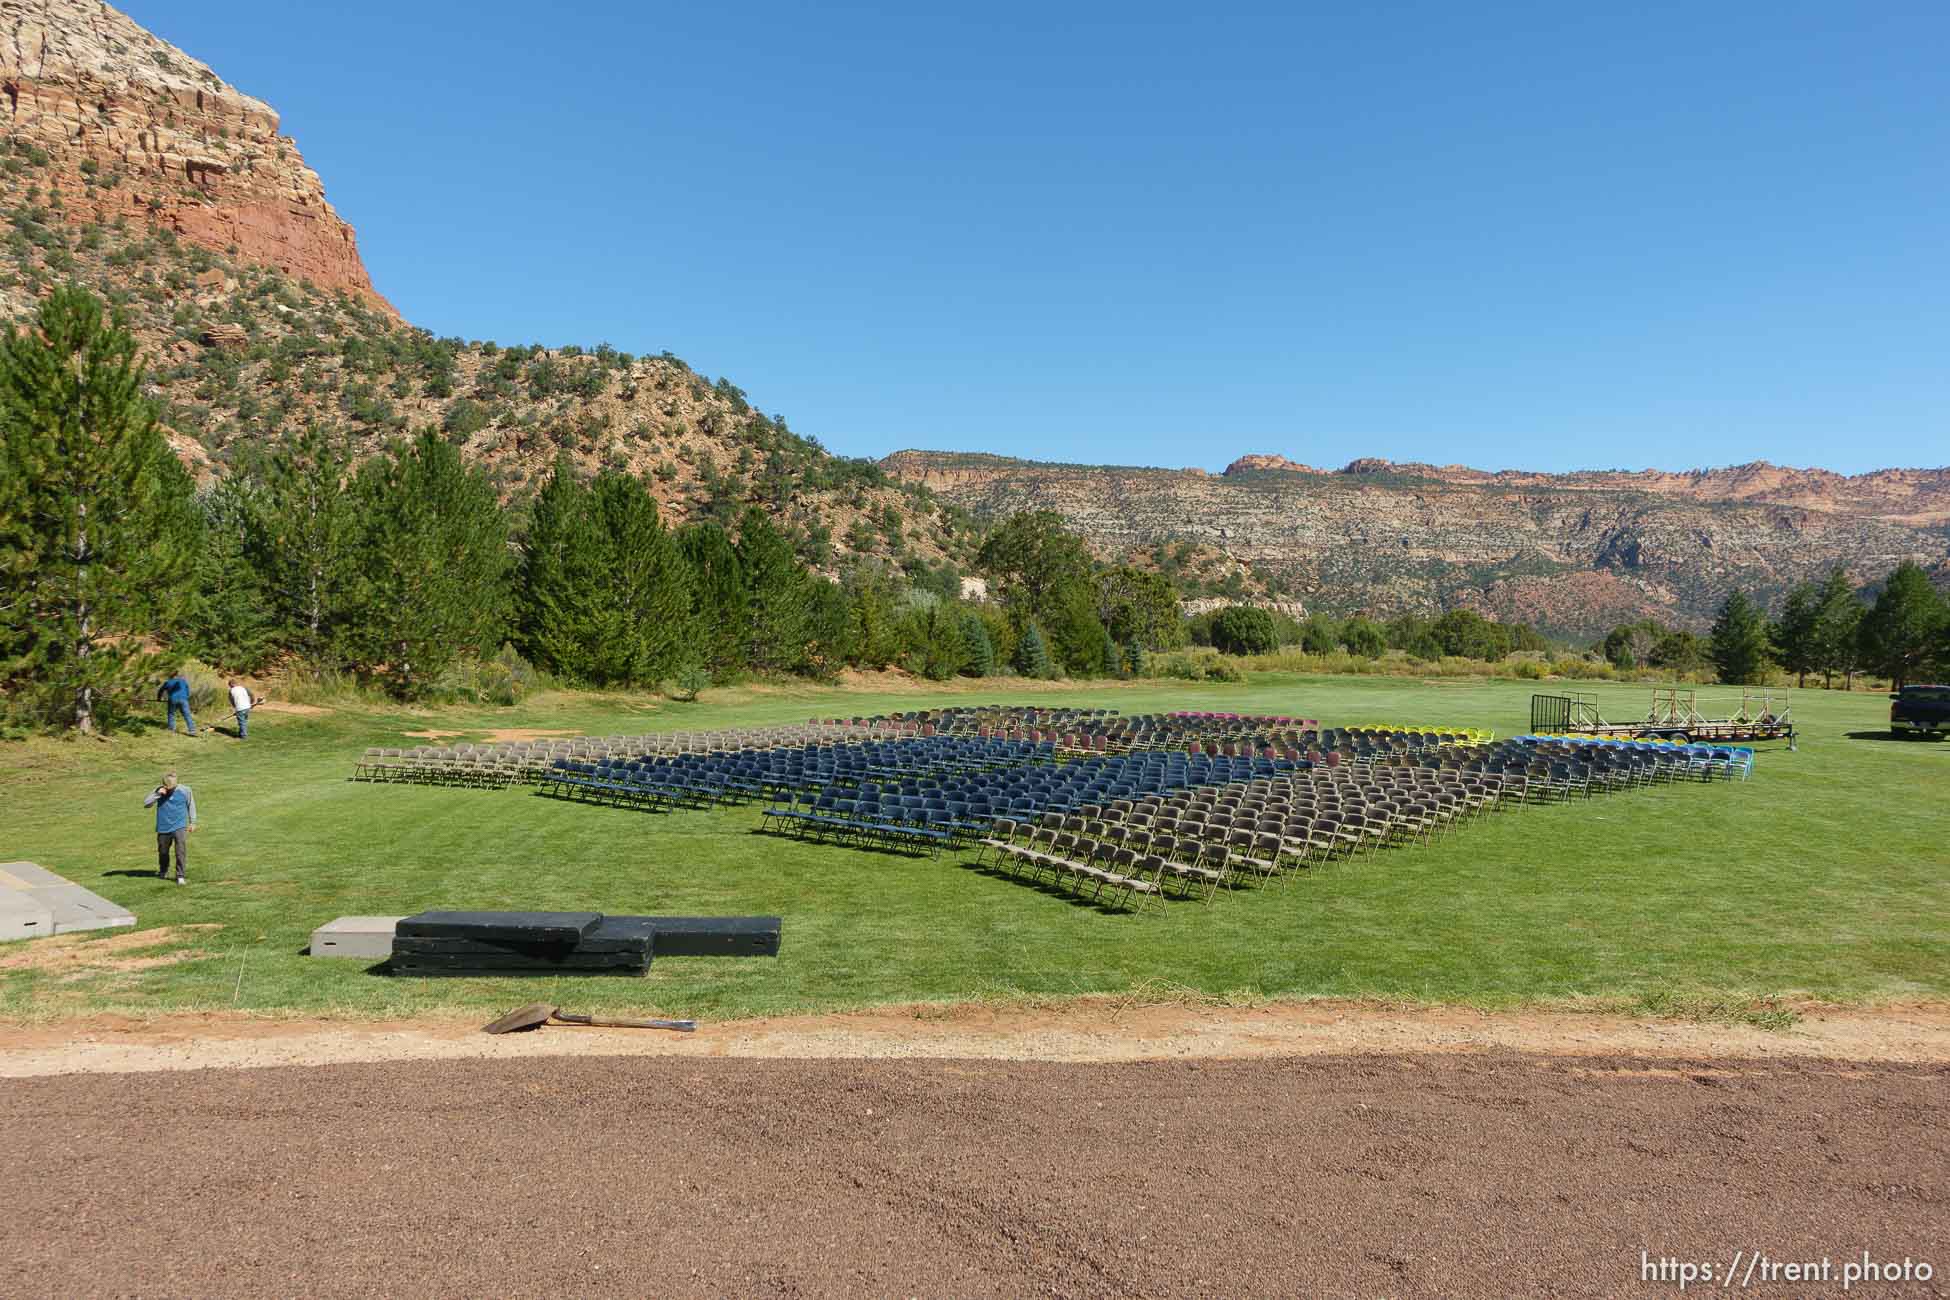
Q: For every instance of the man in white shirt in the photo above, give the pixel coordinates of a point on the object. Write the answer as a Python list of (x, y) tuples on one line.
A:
[(241, 700)]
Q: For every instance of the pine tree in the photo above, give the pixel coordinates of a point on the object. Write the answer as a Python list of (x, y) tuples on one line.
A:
[(829, 628), (980, 649), (1797, 637), (873, 610), (1032, 654), (932, 637), (1738, 645), (1900, 632), (719, 613), (560, 588), (1134, 659), (230, 623), (432, 564), (1113, 663), (93, 542), (1837, 627), (1076, 638), (775, 635), (305, 546), (644, 622)]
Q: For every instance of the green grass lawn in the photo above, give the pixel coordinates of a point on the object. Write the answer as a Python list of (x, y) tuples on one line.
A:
[(1825, 876)]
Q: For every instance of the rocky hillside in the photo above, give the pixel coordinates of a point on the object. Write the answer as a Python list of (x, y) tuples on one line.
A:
[(128, 165), (133, 168), (132, 127), (1573, 553)]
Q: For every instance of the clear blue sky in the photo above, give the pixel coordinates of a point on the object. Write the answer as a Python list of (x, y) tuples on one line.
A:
[(1537, 235)]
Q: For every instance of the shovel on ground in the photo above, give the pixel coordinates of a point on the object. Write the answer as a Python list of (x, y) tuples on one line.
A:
[(537, 1014)]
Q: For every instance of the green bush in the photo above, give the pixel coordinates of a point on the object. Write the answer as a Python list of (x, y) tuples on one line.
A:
[(465, 418), (688, 682), (505, 679), (325, 684), (1193, 666), (1582, 669), (1245, 630)]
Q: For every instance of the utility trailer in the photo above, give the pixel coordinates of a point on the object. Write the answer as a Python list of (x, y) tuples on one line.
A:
[(1764, 714)]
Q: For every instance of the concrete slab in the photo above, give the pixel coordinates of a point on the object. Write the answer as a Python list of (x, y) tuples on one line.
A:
[(22, 917), (76, 908), (27, 875), (70, 906), (370, 937)]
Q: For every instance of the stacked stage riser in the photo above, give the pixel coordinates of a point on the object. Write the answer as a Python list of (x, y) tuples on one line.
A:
[(716, 936), (521, 943), (570, 943)]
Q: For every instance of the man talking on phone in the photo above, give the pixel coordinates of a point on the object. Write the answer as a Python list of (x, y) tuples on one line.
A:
[(175, 818)]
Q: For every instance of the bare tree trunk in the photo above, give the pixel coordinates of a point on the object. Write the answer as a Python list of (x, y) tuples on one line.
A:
[(313, 614), (84, 701), (312, 611)]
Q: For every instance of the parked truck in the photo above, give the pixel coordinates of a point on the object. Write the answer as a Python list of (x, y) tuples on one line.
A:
[(1922, 710)]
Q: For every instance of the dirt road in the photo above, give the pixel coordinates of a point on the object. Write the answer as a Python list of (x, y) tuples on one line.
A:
[(1076, 1030), (1404, 1175)]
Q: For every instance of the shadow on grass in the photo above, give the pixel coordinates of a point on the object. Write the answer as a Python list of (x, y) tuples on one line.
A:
[(1048, 887), (651, 803), (385, 970), (1903, 737), (135, 873), (906, 852)]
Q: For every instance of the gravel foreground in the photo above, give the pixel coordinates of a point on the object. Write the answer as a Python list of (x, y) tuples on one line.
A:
[(1425, 1175)]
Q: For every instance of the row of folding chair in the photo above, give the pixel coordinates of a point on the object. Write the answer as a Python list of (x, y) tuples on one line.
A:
[(701, 779), (1203, 857), (1565, 771), (647, 788), (894, 821), (1694, 761), (434, 765), (517, 760), (953, 805), (1063, 855)]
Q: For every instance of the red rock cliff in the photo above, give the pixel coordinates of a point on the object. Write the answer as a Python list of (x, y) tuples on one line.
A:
[(134, 127)]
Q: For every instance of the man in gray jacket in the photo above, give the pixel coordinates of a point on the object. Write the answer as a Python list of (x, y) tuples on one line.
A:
[(175, 818)]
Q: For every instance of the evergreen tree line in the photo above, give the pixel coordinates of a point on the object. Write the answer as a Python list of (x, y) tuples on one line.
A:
[(114, 567), (397, 571), (604, 595), (393, 572), (1459, 633), (1828, 629), (1056, 609)]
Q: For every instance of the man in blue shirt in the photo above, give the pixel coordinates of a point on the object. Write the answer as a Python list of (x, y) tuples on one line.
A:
[(175, 818), (177, 692)]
